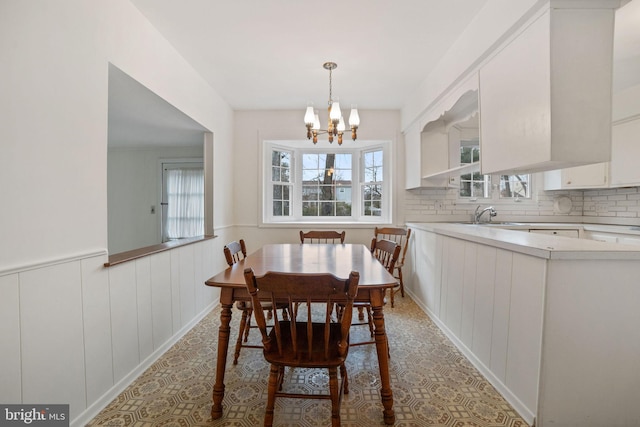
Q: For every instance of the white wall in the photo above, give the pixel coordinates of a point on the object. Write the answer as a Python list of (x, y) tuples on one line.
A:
[(493, 24), (73, 331), (54, 118), (253, 127), (133, 187)]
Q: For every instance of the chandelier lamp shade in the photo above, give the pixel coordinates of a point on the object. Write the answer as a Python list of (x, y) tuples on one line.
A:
[(336, 125)]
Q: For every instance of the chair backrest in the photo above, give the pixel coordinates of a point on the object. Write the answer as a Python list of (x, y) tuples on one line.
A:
[(397, 234), (294, 288), (324, 236), (386, 251), (233, 250)]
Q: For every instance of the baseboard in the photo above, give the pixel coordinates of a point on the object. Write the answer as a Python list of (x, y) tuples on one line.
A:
[(94, 409), (508, 395)]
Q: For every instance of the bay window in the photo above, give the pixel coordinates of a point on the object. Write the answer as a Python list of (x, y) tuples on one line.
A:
[(326, 184)]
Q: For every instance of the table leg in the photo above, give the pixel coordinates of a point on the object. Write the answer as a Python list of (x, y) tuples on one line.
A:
[(382, 348), (223, 345)]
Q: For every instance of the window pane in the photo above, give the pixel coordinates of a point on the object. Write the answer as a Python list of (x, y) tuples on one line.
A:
[(326, 177), (310, 192), (515, 186), (343, 161), (372, 163), (343, 209), (309, 175), (327, 209), (372, 198), (309, 161), (469, 154), (326, 192), (309, 209), (281, 166), (277, 192), (275, 158), (280, 173), (475, 185), (277, 208)]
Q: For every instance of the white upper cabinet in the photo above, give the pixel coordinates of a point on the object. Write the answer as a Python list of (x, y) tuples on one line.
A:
[(625, 153), (432, 145), (545, 98), (412, 160), (579, 177)]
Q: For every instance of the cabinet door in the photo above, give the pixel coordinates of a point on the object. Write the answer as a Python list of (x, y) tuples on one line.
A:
[(624, 153), (412, 157), (545, 98), (588, 176)]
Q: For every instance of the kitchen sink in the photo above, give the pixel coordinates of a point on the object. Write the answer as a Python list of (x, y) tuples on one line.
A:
[(489, 223)]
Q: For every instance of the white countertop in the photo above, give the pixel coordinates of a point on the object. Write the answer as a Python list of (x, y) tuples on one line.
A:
[(516, 239)]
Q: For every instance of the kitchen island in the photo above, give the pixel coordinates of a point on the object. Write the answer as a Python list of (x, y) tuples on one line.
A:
[(551, 321)]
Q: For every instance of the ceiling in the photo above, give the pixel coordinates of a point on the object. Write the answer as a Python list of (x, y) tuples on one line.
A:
[(261, 54), (140, 118)]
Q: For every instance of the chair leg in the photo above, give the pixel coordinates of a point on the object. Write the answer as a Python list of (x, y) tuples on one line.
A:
[(392, 294), (280, 378), (401, 282), (248, 325), (360, 314), (345, 379), (243, 326), (271, 395), (335, 397), (370, 320)]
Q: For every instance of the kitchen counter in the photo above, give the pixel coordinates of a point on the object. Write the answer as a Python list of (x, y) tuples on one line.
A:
[(515, 237), (550, 321)]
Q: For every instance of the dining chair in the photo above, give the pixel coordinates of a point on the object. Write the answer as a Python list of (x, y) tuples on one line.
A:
[(387, 253), (325, 236), (314, 342), (234, 252), (401, 236)]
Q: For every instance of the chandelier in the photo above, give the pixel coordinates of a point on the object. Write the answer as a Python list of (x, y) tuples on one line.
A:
[(336, 124)]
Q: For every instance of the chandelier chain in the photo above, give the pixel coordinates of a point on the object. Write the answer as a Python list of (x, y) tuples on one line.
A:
[(330, 87)]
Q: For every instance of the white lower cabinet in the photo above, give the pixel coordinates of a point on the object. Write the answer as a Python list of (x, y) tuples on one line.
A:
[(476, 296), (551, 334)]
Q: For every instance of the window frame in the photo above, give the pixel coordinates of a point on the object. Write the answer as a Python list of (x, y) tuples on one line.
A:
[(297, 148), (494, 195), (178, 163), (491, 182)]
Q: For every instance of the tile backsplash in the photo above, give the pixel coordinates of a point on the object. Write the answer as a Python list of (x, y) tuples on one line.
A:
[(616, 205)]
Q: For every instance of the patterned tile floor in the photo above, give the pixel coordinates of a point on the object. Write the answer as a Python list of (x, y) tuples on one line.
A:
[(433, 383)]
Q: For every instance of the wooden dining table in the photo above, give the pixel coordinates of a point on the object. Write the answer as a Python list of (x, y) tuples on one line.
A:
[(337, 259)]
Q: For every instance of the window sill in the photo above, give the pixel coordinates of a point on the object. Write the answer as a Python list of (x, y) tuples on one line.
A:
[(325, 225), (133, 254)]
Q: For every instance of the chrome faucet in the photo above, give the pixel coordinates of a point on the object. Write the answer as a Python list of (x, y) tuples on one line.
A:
[(478, 213)]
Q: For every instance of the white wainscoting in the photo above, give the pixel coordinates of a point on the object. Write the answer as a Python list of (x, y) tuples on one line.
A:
[(76, 332)]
